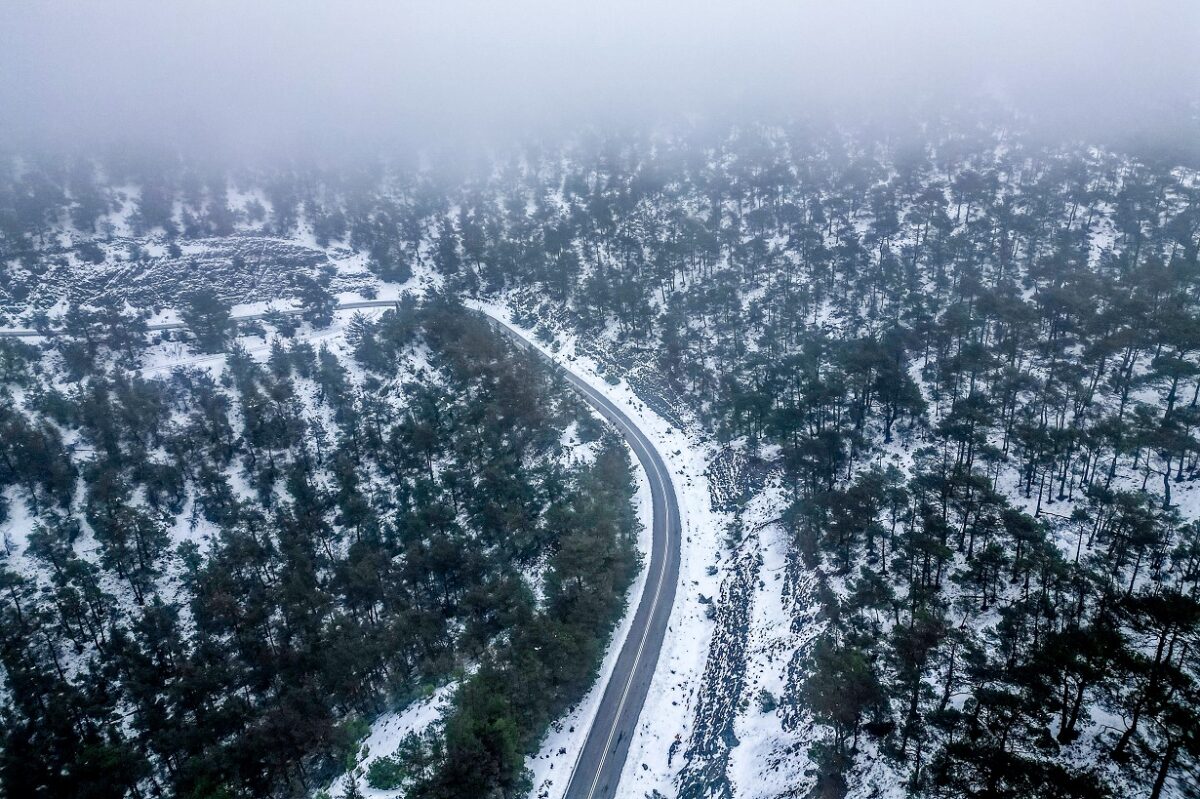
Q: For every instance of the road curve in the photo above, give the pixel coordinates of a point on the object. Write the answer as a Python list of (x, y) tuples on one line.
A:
[(597, 770)]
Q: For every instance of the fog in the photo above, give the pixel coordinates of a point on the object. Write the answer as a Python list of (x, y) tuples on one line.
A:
[(350, 75)]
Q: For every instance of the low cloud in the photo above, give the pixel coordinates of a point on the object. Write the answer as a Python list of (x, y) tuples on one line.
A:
[(357, 74)]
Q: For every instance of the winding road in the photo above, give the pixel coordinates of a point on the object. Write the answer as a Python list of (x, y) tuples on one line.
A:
[(597, 770)]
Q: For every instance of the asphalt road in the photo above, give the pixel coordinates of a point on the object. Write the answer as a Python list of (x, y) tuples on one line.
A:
[(597, 771)]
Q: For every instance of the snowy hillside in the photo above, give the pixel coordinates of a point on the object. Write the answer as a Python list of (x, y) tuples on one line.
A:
[(930, 402)]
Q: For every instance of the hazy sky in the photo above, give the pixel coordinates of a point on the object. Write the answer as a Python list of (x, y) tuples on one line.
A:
[(348, 72)]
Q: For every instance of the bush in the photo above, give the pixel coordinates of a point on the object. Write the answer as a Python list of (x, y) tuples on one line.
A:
[(386, 773)]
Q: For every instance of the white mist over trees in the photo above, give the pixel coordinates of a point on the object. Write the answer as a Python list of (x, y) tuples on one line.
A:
[(351, 75)]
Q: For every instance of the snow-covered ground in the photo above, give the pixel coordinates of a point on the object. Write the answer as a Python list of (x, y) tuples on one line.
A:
[(387, 732), (14, 531), (769, 760)]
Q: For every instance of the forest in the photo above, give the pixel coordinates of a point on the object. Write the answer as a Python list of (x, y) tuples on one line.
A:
[(1014, 611), (969, 355), (228, 574)]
